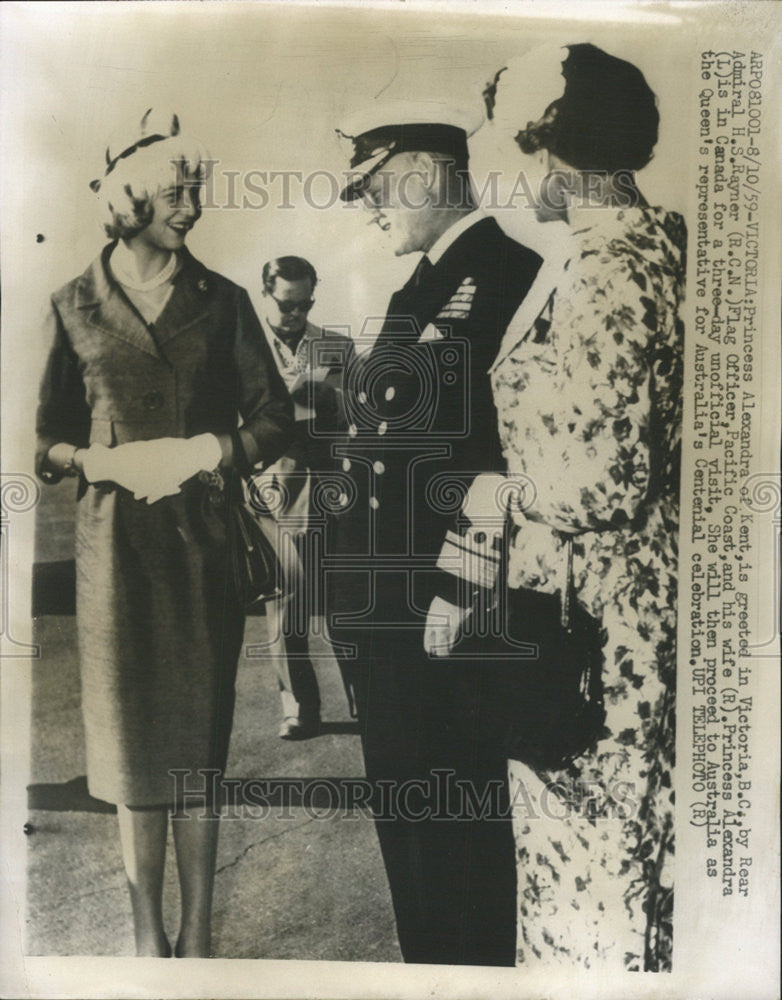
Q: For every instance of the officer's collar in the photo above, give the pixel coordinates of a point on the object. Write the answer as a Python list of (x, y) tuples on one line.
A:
[(452, 233)]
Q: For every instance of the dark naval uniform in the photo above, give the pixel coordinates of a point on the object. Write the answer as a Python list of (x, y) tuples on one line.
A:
[(421, 426)]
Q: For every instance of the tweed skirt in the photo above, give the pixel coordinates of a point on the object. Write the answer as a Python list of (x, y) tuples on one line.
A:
[(160, 632)]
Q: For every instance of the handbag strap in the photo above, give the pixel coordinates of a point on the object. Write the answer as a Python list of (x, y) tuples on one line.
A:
[(241, 463), (591, 686), (567, 590)]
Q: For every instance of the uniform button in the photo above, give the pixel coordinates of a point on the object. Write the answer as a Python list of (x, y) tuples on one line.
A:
[(379, 468), (153, 400), (346, 465), (352, 430), (374, 503), (382, 427), (362, 397), (390, 393)]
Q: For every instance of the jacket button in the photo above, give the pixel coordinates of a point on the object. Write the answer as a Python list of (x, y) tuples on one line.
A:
[(382, 427), (153, 400), (390, 393), (379, 468), (374, 503), (352, 430), (362, 397), (346, 465)]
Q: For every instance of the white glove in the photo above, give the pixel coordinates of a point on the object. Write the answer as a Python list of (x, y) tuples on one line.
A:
[(152, 469), (443, 628), (118, 465), (166, 463), (485, 501)]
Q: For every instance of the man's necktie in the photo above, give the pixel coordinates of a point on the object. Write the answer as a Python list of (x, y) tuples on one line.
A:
[(422, 271)]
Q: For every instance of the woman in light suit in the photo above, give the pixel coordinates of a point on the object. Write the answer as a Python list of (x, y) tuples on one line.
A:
[(153, 356)]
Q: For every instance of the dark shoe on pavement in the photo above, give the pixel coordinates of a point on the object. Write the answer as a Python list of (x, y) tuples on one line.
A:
[(299, 729)]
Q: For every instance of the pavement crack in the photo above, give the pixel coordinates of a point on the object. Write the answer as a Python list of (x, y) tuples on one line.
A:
[(70, 900), (259, 843), (96, 892)]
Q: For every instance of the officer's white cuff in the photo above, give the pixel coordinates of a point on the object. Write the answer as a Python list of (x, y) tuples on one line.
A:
[(473, 557)]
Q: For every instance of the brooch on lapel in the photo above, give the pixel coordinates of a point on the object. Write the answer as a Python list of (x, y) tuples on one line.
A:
[(460, 303)]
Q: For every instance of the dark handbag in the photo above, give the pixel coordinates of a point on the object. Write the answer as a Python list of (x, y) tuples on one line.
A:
[(540, 700), (255, 568), (256, 571)]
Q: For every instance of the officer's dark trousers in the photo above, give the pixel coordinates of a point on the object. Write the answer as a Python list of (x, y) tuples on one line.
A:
[(440, 801)]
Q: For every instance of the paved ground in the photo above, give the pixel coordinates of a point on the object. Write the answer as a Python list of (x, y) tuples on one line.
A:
[(304, 882)]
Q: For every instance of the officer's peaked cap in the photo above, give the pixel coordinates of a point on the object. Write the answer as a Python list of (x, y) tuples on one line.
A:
[(381, 131)]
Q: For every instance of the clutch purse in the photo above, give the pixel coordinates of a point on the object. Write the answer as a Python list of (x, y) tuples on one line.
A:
[(542, 698)]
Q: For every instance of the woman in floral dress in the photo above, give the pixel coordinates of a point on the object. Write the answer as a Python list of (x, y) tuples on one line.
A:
[(589, 408)]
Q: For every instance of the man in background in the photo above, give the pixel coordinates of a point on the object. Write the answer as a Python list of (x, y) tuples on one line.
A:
[(310, 361)]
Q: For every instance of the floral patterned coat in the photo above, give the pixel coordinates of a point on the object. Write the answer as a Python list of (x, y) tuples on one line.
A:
[(589, 408)]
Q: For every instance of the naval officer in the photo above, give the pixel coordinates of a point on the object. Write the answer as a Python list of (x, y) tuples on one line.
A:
[(421, 427)]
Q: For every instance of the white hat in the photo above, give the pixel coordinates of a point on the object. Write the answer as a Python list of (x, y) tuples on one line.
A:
[(155, 126), (527, 85)]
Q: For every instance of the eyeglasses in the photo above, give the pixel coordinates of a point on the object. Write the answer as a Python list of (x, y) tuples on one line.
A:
[(287, 306)]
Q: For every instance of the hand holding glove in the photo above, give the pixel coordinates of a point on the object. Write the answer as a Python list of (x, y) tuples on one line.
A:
[(118, 465), (166, 463), (169, 462), (152, 469)]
